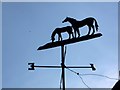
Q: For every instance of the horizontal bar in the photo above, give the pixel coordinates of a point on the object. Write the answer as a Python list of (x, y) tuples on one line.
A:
[(48, 66), (64, 66), (78, 67), (32, 66)]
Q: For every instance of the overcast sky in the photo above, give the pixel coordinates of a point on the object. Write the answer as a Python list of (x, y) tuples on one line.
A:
[(26, 26)]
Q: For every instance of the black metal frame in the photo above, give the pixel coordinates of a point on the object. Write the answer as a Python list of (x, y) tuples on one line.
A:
[(63, 53)]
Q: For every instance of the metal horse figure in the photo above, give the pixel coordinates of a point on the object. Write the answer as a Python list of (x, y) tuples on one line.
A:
[(77, 24), (58, 31)]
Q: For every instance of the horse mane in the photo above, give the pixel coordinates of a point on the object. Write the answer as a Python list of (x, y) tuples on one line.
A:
[(72, 19)]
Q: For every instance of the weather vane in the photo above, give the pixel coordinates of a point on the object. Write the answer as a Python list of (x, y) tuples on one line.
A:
[(73, 31)]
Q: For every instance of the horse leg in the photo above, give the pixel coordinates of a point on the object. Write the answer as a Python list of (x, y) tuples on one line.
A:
[(78, 32), (93, 29), (69, 35), (61, 37), (58, 38), (72, 35), (75, 33), (89, 30)]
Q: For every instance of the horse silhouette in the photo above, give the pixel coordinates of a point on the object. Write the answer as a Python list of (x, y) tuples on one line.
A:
[(58, 31), (77, 24)]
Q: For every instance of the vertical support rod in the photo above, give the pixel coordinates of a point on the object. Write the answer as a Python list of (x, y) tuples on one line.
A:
[(63, 68)]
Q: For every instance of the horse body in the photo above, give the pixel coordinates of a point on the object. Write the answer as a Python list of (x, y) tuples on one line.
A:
[(77, 24), (58, 31)]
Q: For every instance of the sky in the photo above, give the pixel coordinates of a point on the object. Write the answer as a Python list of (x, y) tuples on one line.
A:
[(1, 45), (60, 1), (118, 40), (26, 26)]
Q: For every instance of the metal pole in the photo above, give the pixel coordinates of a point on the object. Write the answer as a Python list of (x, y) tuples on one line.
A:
[(63, 66)]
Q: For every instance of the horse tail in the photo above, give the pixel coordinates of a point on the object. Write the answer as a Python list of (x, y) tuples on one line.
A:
[(96, 25)]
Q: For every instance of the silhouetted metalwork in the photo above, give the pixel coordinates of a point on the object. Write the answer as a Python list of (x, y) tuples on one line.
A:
[(68, 41), (69, 29), (116, 86), (77, 24), (33, 66), (58, 31)]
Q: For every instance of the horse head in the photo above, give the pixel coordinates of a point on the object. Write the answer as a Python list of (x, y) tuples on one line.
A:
[(52, 38), (65, 20), (69, 19), (53, 35)]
